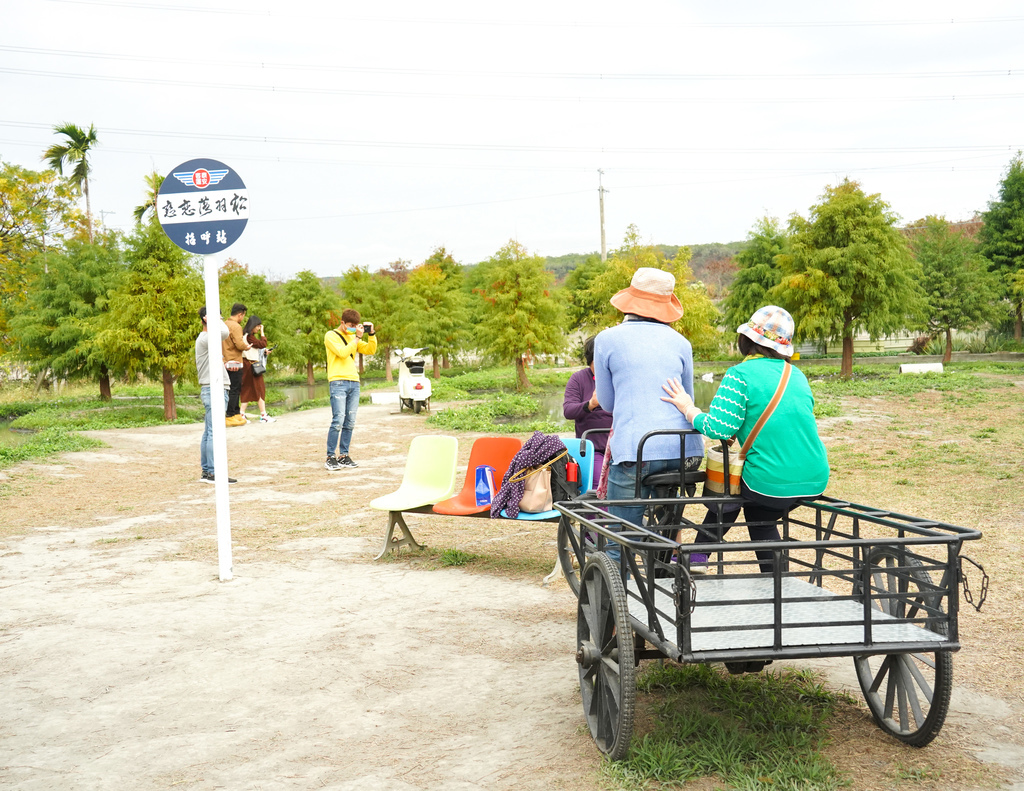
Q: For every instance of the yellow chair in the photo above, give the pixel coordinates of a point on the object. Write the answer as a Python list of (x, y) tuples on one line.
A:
[(429, 478)]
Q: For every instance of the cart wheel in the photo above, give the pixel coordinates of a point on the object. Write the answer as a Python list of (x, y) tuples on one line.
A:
[(604, 641), (908, 694), (417, 406), (570, 555)]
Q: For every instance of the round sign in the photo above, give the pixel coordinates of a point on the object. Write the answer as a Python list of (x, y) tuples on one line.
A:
[(203, 206)]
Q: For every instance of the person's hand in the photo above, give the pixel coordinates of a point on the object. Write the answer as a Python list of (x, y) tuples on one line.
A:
[(592, 404), (677, 396), (358, 330)]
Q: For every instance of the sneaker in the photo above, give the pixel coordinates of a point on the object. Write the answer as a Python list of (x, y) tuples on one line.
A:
[(208, 478), (265, 418), (346, 461), (234, 420), (332, 464)]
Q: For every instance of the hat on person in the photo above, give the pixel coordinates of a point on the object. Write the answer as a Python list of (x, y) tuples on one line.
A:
[(771, 326), (651, 294)]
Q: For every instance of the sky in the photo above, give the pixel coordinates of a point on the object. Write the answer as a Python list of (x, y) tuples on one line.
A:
[(372, 132)]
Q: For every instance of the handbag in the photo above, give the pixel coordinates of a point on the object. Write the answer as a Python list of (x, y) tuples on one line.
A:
[(259, 366), (537, 486), (716, 458)]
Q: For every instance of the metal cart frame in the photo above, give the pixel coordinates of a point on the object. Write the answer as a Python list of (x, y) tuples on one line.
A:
[(846, 580)]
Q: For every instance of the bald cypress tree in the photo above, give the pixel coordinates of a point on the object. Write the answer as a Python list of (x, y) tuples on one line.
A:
[(848, 269)]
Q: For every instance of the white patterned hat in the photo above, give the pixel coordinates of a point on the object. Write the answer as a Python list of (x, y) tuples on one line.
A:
[(771, 326)]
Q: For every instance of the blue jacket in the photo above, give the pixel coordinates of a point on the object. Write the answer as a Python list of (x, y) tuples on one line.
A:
[(632, 361)]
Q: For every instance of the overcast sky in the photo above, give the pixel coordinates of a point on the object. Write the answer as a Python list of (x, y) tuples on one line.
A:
[(371, 132)]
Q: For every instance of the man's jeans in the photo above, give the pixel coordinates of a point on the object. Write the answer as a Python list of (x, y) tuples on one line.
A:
[(622, 486), (344, 403), (206, 443)]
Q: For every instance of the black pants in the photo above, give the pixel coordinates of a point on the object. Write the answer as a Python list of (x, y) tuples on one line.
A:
[(756, 508), (234, 394)]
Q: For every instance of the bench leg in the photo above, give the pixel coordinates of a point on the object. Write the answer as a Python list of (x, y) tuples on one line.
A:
[(391, 543)]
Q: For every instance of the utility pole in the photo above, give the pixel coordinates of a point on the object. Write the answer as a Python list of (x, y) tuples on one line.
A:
[(103, 215), (600, 192)]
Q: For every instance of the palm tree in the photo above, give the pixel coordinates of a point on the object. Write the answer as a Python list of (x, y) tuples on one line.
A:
[(153, 183), (76, 152)]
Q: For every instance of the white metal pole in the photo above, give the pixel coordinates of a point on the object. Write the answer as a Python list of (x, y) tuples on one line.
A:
[(214, 324)]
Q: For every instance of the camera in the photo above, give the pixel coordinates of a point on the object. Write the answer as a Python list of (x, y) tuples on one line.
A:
[(367, 326)]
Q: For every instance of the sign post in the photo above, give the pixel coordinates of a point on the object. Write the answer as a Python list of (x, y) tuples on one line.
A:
[(203, 207)]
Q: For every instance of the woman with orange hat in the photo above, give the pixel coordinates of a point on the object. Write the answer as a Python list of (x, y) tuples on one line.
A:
[(631, 360)]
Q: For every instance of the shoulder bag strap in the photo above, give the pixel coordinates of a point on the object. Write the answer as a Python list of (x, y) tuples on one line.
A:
[(767, 411)]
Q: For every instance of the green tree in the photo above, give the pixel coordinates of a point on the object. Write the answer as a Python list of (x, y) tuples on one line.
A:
[(75, 151), (56, 326), (389, 304), (521, 318), (1002, 237), (848, 269), (699, 323), (308, 307), (154, 181), (441, 316), (960, 292), (581, 306), (151, 321), (238, 284), (36, 214), (758, 272)]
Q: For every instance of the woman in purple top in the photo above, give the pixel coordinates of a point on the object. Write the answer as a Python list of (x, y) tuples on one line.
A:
[(581, 405)]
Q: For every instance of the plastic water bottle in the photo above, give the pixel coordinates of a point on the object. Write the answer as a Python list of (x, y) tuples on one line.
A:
[(484, 484)]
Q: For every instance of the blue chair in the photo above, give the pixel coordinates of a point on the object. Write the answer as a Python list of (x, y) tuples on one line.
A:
[(582, 451)]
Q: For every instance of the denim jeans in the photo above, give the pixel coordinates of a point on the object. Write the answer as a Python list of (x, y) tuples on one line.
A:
[(622, 486), (206, 443), (344, 403)]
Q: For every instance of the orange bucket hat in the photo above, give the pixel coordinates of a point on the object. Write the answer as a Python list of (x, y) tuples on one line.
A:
[(651, 294)]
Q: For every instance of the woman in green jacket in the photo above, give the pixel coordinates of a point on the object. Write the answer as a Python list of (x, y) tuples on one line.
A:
[(787, 461)]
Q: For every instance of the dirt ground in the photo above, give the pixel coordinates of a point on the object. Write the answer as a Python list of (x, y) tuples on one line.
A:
[(126, 664)]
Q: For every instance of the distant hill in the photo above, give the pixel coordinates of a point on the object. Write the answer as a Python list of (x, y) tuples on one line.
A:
[(703, 254)]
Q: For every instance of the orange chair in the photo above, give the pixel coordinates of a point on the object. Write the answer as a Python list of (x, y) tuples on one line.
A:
[(495, 451)]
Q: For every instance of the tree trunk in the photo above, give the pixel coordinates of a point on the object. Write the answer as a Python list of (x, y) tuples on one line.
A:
[(446, 362), (948, 354), (521, 381), (388, 376), (104, 383), (437, 365), (846, 371), (170, 408), (360, 364), (40, 380), (88, 208), (1017, 325), (309, 374)]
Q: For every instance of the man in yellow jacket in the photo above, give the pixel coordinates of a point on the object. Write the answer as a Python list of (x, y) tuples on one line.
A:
[(343, 379)]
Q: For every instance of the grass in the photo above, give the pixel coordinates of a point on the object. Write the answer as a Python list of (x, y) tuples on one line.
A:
[(46, 443), (752, 731), (508, 413)]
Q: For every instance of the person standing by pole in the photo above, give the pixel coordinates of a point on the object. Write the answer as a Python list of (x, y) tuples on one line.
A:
[(342, 346), (233, 346), (203, 369)]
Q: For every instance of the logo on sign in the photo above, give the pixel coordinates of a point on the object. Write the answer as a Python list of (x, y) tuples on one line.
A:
[(201, 178)]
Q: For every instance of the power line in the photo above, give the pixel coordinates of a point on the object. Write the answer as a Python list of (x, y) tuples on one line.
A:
[(486, 147), (587, 76), (537, 23), (208, 86)]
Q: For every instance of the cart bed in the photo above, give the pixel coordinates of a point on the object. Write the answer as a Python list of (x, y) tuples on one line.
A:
[(726, 602)]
